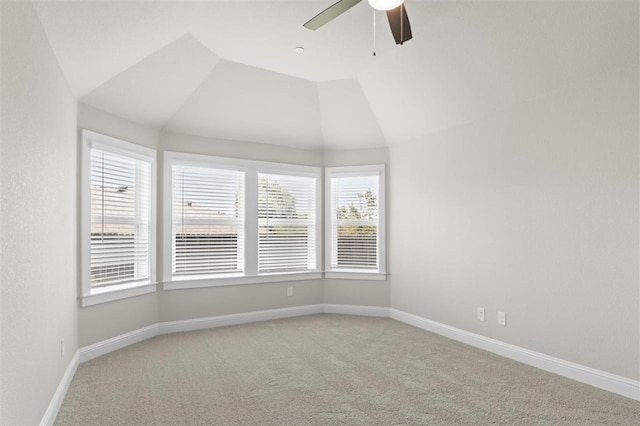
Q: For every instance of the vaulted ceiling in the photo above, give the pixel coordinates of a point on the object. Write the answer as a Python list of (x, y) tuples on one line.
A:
[(229, 69)]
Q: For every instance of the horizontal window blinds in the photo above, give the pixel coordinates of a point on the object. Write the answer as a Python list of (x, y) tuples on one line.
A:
[(287, 218), (208, 226), (120, 219), (354, 222)]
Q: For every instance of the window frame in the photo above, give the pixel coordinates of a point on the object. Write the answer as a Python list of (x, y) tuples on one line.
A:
[(251, 169), (93, 140), (379, 274)]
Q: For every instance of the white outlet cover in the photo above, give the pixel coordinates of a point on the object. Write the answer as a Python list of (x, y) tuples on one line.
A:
[(502, 318), (480, 314)]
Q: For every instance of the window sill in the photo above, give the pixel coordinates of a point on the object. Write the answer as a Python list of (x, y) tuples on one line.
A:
[(184, 283), (350, 275), (112, 293)]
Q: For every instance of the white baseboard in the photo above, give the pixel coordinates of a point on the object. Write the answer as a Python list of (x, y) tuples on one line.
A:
[(591, 376), (235, 319), (50, 414), (367, 311), (118, 342)]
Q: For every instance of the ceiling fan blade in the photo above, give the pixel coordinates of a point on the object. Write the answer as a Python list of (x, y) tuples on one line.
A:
[(330, 13), (399, 23)]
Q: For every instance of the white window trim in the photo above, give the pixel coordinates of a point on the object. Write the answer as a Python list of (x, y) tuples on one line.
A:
[(251, 168), (121, 291), (345, 273), (89, 296)]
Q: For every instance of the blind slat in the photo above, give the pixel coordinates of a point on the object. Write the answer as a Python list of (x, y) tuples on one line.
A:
[(208, 228), (286, 215), (354, 222), (120, 218)]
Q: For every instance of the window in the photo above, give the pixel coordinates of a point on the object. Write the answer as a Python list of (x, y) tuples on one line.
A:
[(238, 221), (287, 223), (118, 184), (208, 224), (355, 241)]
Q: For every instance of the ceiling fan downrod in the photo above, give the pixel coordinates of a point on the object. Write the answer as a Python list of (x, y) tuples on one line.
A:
[(374, 32)]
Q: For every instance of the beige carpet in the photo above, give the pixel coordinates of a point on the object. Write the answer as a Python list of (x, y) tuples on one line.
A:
[(327, 370)]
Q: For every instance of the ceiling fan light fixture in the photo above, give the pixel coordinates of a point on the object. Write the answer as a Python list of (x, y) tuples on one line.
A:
[(385, 4)]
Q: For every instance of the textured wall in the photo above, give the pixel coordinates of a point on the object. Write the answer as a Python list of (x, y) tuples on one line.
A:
[(357, 292), (533, 211), (206, 302), (38, 225), (102, 322), (237, 149), (99, 121)]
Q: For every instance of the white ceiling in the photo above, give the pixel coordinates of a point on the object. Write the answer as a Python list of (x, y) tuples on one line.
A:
[(228, 69)]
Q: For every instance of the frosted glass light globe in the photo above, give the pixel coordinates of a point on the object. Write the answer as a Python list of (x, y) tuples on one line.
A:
[(385, 4)]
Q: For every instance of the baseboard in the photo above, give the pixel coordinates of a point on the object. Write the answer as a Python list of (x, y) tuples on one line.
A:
[(236, 319), (591, 376), (50, 414), (106, 346), (367, 311)]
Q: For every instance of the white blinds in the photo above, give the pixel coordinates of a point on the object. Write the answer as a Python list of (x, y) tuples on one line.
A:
[(120, 218), (354, 222), (287, 217), (208, 231)]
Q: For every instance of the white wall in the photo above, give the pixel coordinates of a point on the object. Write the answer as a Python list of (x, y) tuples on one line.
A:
[(237, 149), (99, 121), (533, 211), (38, 171)]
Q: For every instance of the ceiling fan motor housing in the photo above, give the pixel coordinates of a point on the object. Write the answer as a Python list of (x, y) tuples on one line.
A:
[(385, 4)]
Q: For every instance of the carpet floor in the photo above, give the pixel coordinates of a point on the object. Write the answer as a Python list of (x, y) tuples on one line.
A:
[(326, 370)]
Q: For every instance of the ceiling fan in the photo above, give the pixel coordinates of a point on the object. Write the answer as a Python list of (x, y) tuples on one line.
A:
[(396, 14)]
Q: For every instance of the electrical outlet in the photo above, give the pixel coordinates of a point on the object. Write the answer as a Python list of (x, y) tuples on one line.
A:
[(480, 314), (502, 318), (61, 348), (289, 291)]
